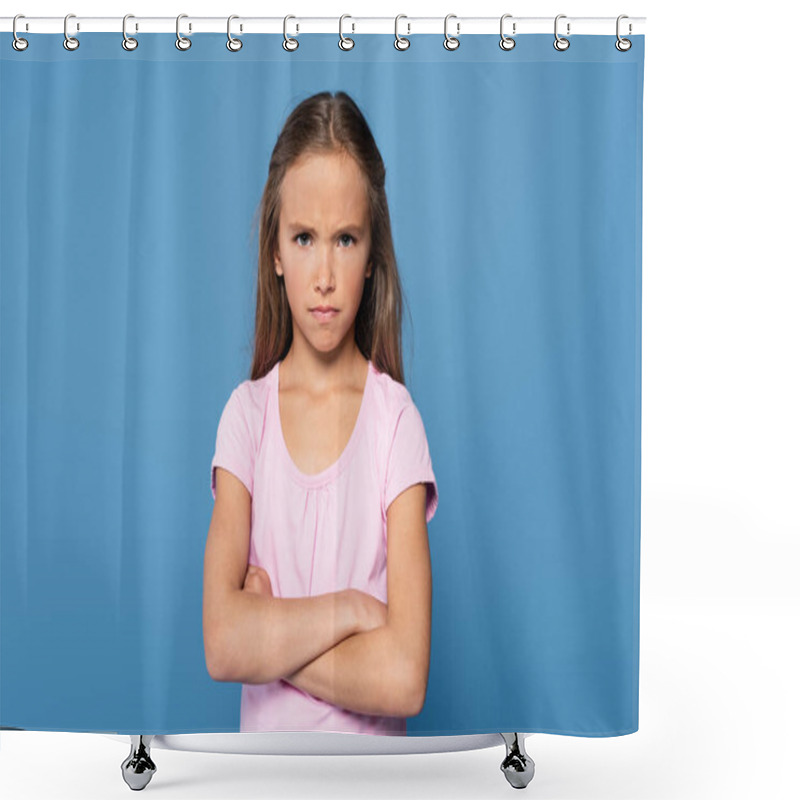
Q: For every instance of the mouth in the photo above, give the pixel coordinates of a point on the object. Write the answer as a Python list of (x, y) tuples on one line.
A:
[(324, 313)]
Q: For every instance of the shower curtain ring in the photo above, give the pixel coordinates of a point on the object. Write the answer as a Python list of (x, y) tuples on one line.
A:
[(233, 44), (18, 42), (345, 43), (451, 42), (561, 43), (400, 42), (181, 42), (289, 43), (128, 42), (623, 45), (507, 42), (70, 42)]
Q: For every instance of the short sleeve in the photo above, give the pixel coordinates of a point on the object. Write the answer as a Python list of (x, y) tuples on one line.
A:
[(409, 460), (234, 449)]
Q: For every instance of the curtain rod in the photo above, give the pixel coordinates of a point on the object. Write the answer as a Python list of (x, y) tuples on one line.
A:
[(512, 26)]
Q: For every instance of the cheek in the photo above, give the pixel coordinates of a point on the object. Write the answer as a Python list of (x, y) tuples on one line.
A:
[(355, 290), (358, 280), (292, 280)]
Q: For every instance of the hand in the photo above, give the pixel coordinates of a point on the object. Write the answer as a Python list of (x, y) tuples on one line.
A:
[(257, 580), (370, 613)]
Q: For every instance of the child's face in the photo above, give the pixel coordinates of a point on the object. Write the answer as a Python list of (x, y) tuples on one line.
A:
[(323, 245)]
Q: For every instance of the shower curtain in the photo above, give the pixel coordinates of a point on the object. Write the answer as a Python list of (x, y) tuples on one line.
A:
[(131, 185)]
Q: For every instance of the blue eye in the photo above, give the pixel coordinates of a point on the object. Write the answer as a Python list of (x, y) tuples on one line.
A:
[(343, 236)]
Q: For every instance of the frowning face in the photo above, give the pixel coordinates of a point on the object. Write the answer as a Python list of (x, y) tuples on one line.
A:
[(323, 246)]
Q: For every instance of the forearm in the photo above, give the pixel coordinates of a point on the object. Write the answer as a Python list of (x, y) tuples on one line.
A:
[(265, 638), (364, 673)]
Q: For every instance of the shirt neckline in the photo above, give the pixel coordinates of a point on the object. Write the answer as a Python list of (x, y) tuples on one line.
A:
[(331, 471)]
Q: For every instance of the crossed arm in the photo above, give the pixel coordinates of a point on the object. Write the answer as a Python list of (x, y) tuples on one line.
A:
[(367, 673), (369, 668)]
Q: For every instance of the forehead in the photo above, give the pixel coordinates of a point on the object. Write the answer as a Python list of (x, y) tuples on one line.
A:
[(321, 185)]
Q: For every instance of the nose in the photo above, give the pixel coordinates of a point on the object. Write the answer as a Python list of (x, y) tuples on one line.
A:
[(324, 280)]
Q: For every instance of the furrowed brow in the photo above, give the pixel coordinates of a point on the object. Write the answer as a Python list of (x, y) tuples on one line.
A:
[(298, 226)]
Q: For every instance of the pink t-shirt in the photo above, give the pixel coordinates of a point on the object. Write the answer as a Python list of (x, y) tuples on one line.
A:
[(325, 532)]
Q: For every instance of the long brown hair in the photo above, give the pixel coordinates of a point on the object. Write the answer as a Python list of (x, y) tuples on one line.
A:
[(329, 123)]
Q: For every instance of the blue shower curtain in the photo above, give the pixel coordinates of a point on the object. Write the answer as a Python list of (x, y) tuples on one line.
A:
[(129, 187)]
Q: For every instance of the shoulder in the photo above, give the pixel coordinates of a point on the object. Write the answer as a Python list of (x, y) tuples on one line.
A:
[(253, 394), (403, 445), (248, 402), (391, 396), (397, 414)]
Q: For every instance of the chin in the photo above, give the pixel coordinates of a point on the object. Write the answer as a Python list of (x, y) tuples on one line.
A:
[(325, 342)]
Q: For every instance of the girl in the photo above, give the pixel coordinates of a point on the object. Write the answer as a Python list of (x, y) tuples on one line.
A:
[(317, 579)]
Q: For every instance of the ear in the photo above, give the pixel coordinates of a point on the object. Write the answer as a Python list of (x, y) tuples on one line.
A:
[(278, 267)]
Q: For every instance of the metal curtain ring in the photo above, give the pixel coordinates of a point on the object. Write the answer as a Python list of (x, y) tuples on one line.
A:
[(507, 42), (18, 43), (561, 43), (345, 43), (451, 42), (233, 44), (128, 42), (400, 42), (289, 43), (181, 42), (623, 45), (70, 42)]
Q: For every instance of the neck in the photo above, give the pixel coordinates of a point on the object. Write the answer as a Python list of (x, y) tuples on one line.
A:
[(322, 372)]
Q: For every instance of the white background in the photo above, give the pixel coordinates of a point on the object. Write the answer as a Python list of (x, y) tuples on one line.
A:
[(719, 696)]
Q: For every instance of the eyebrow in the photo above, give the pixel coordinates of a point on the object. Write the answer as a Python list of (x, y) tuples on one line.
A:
[(298, 226)]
